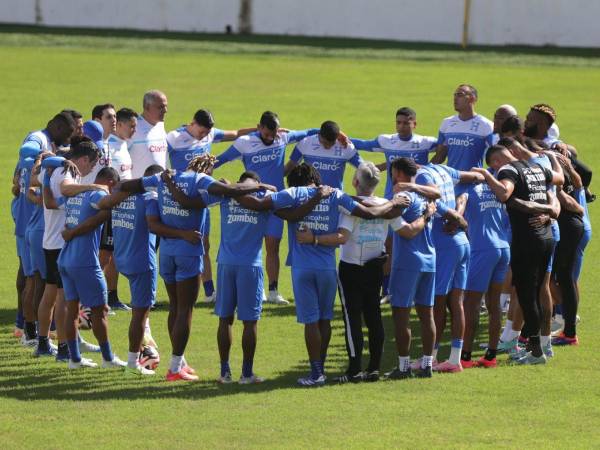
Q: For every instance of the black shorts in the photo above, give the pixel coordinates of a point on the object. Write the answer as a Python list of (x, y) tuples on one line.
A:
[(106, 241), (52, 273)]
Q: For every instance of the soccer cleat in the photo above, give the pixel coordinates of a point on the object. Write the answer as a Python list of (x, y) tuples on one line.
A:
[(86, 347), (253, 379), (558, 323), (517, 353), (18, 332), (210, 298), (468, 364), (423, 373), (506, 346), (310, 382), (371, 377), (82, 364), (486, 363), (523, 340), (52, 334), (111, 312), (346, 378), (398, 374), (565, 340), (225, 379), (119, 305), (531, 360), (28, 342), (180, 376), (548, 350), (416, 364), (276, 298), (62, 357), (385, 299), (448, 367), (115, 363), (39, 353), (138, 371), (189, 369)]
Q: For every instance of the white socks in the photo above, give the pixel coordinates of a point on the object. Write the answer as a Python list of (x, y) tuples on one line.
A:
[(426, 361), (544, 341), (508, 334), (132, 359), (404, 363), (176, 363), (455, 355)]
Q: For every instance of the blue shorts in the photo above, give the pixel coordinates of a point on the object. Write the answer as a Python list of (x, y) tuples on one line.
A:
[(487, 266), (451, 268), (585, 239), (86, 284), (314, 294), (205, 224), (179, 268), (274, 226), (551, 262), (20, 241), (25, 256), (143, 288), (408, 287), (239, 287), (38, 259)]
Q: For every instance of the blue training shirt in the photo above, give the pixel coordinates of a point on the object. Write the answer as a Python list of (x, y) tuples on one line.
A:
[(467, 140), (174, 215), (81, 251), (182, 147), (266, 160), (323, 219)]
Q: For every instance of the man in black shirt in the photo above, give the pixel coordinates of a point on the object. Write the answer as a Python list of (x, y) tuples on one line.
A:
[(524, 187)]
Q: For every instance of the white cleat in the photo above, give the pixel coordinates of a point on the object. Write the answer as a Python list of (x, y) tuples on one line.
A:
[(82, 364), (138, 371), (276, 298), (385, 299), (86, 347), (254, 379), (28, 342), (116, 363), (210, 298)]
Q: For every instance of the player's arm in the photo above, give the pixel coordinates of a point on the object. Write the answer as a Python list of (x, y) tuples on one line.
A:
[(430, 191), (503, 189), (527, 207), (364, 144), (298, 135), (232, 135), (387, 210), (558, 177), (568, 203), (441, 152), (33, 197), (470, 177), (297, 214), (411, 230), (134, 186), (181, 197), (570, 170), (228, 155), (156, 226), (329, 240), (112, 200), (295, 158), (237, 190), (461, 203), (87, 226)]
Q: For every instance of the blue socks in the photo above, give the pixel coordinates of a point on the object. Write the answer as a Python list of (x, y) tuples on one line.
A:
[(316, 369), (20, 320), (73, 345), (209, 288), (107, 353), (225, 369), (457, 343), (247, 369), (386, 285)]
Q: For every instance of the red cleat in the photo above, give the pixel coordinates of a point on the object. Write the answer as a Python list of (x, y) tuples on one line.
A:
[(468, 364), (189, 370), (448, 367), (18, 333), (487, 363), (561, 339), (180, 376)]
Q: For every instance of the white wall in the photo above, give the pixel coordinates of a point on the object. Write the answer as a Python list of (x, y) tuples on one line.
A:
[(493, 22)]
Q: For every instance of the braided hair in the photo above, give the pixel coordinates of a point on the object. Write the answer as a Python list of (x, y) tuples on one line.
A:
[(303, 175), (202, 163)]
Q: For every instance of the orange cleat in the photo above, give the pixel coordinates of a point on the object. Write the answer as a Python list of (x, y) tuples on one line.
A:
[(487, 363), (468, 364), (18, 333), (180, 376)]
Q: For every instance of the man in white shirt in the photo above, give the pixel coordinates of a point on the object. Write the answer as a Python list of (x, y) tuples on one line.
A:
[(107, 117), (148, 145)]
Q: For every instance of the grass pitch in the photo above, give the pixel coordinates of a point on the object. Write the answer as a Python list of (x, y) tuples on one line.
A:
[(360, 85)]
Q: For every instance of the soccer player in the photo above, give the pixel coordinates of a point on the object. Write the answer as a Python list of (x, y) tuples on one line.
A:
[(183, 144), (56, 184), (180, 261), (524, 186), (326, 154), (312, 258), (487, 268), (464, 137), (360, 278), (502, 113), (413, 274), (451, 264), (405, 143), (57, 132), (148, 145), (80, 270), (78, 118), (263, 152), (107, 117)]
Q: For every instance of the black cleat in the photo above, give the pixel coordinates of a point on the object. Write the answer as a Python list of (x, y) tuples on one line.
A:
[(397, 374)]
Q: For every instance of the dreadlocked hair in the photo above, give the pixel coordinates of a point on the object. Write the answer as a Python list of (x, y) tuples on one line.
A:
[(547, 110), (202, 163), (303, 175)]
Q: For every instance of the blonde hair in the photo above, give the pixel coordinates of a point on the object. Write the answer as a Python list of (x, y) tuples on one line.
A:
[(202, 163)]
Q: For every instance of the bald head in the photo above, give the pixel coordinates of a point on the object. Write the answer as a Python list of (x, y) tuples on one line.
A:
[(502, 113), (155, 106)]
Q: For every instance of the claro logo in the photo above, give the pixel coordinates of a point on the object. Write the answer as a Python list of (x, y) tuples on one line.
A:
[(157, 148), (264, 158), (461, 142), (326, 166)]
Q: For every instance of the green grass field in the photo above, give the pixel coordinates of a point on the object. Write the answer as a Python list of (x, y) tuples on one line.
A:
[(360, 85)]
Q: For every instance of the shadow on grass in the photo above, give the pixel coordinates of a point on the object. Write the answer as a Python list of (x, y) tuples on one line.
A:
[(32, 379)]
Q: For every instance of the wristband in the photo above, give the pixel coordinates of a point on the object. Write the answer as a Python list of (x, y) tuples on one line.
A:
[(316, 241)]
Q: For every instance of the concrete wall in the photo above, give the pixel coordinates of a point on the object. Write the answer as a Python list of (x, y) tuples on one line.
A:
[(493, 22)]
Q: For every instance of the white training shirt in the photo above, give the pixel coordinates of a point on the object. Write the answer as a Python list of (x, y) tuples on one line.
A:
[(103, 162), (367, 237), (119, 157), (147, 146), (54, 219)]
